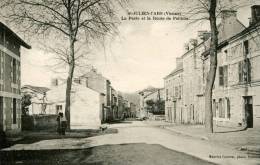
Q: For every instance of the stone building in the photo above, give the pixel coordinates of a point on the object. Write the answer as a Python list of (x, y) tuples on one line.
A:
[(10, 80), (101, 84), (142, 95), (151, 94), (236, 94), (173, 94), (194, 71), (85, 108)]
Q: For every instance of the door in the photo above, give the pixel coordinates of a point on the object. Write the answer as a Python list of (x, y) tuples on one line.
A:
[(1, 113), (248, 104), (174, 111)]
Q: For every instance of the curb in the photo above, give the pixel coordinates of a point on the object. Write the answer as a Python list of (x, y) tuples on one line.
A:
[(187, 134)]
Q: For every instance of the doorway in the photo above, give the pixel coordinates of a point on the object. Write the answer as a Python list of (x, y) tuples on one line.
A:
[(174, 111), (248, 105)]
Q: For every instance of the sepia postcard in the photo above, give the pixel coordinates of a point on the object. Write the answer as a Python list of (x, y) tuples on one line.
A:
[(130, 82)]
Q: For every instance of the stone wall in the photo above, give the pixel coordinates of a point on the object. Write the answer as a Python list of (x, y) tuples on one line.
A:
[(39, 122)]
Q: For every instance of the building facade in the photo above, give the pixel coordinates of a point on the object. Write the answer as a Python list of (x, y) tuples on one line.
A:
[(173, 94), (148, 97), (236, 94), (85, 108), (195, 70), (10, 80)]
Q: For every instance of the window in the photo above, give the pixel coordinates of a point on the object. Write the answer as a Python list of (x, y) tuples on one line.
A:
[(240, 71), (228, 108), (221, 109), (14, 71), (58, 108), (221, 76), (167, 95), (86, 81), (1, 64), (246, 47), (180, 90), (214, 108), (176, 91), (225, 71), (1, 36), (14, 111), (244, 70)]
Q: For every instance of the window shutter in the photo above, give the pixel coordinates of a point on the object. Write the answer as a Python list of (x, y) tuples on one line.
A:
[(221, 76), (228, 108), (240, 72), (11, 70), (226, 76)]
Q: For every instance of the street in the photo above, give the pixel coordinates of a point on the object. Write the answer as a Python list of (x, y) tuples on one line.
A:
[(136, 142)]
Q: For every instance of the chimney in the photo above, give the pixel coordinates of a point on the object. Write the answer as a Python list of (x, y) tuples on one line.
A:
[(228, 15), (255, 14), (186, 47), (54, 82), (194, 42), (94, 70), (203, 35)]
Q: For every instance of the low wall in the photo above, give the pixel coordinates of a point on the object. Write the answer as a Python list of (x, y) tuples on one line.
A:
[(39, 122)]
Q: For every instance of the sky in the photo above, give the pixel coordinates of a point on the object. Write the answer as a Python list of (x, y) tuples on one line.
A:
[(140, 56)]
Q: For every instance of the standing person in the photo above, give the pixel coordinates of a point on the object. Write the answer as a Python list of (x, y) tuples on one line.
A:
[(59, 123), (63, 123)]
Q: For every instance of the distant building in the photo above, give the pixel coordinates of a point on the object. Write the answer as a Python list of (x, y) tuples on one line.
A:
[(150, 93), (133, 110), (121, 107), (38, 99), (173, 84), (99, 83), (10, 80), (86, 105)]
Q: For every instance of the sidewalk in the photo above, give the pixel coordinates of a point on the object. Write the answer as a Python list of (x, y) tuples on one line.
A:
[(247, 140)]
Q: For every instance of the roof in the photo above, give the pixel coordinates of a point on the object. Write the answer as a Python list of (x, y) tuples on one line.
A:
[(18, 39), (246, 30), (177, 70), (37, 89), (149, 89), (225, 33)]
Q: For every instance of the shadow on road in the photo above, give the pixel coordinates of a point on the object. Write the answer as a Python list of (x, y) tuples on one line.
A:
[(29, 137), (134, 153), (229, 131), (120, 122)]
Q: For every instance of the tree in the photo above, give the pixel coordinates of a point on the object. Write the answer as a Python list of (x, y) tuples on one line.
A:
[(26, 101), (213, 66), (70, 21)]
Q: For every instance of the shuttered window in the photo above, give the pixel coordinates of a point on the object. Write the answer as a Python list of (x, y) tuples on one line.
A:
[(225, 71), (214, 107), (14, 111), (228, 108), (244, 70), (221, 109), (1, 65), (221, 76), (14, 71)]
